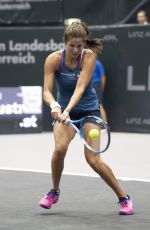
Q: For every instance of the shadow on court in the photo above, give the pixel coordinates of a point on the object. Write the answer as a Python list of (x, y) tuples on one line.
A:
[(86, 203)]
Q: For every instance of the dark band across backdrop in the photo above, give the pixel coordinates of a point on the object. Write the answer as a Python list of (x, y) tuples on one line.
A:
[(54, 12), (31, 12), (125, 57)]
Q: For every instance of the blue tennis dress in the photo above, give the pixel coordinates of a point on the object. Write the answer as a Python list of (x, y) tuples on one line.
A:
[(66, 80)]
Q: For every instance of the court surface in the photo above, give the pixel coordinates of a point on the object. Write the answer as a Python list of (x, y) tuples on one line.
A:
[(86, 202)]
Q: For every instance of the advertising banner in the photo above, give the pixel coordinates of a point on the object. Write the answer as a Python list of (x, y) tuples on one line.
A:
[(20, 109), (126, 57), (22, 55)]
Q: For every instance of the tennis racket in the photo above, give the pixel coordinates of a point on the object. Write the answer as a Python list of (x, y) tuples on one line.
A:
[(93, 131)]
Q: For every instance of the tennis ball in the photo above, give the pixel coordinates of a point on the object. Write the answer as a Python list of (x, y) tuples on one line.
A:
[(94, 133)]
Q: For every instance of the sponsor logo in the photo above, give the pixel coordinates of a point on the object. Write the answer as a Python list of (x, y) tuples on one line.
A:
[(137, 121), (70, 74), (110, 38), (130, 79), (139, 34)]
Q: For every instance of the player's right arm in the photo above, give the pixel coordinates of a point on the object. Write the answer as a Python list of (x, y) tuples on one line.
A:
[(50, 68)]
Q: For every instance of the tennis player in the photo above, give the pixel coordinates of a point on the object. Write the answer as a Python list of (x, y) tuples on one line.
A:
[(72, 69)]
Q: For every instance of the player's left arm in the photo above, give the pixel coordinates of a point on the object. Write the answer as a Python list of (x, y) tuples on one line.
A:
[(85, 76)]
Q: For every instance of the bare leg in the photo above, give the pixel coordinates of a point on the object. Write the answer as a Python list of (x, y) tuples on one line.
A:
[(63, 136), (57, 166), (104, 171)]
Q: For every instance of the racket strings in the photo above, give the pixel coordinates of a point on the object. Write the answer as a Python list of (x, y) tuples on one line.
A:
[(97, 142)]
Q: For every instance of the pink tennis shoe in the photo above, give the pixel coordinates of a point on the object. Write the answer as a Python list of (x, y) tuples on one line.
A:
[(49, 199), (126, 207), (126, 204)]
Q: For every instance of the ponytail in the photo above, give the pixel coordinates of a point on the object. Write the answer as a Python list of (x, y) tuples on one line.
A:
[(94, 44)]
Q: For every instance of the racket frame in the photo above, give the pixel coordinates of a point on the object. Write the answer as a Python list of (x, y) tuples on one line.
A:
[(80, 121)]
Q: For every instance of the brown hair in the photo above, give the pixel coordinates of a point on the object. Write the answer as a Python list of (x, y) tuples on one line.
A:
[(80, 30)]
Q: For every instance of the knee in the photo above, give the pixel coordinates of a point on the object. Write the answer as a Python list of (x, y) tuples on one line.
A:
[(60, 151), (93, 161)]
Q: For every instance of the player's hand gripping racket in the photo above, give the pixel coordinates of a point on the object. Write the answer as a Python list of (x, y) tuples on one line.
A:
[(93, 131)]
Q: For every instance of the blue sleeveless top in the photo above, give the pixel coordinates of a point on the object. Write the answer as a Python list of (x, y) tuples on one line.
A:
[(66, 80)]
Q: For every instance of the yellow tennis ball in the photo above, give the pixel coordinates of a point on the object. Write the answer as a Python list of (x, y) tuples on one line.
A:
[(94, 133)]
